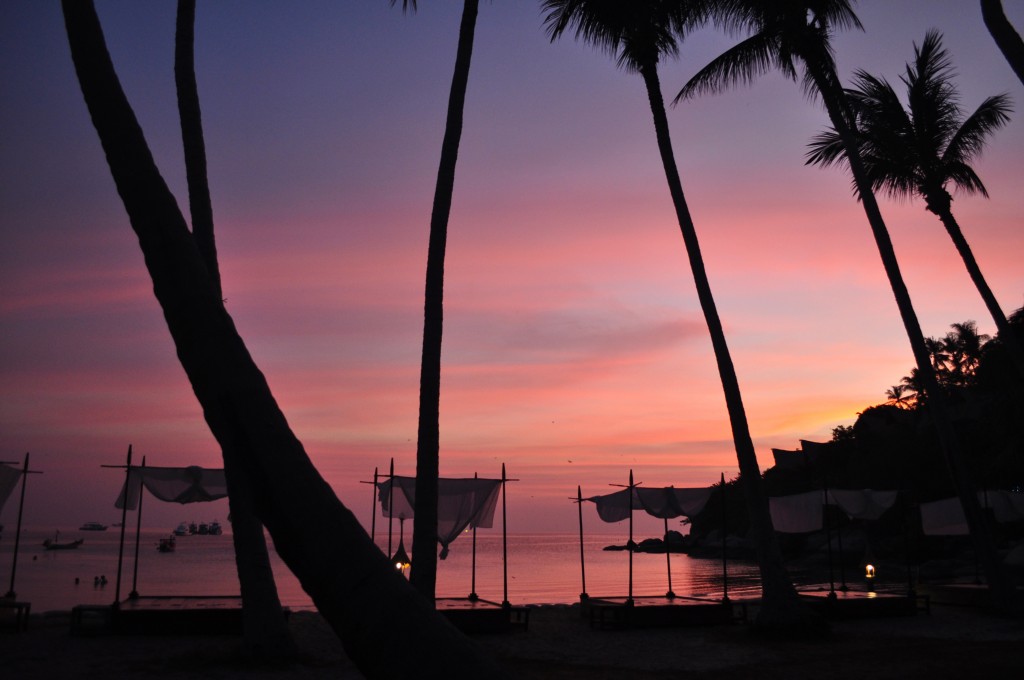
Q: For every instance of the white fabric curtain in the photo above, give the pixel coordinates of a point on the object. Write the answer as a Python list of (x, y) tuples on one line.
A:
[(175, 485), (803, 512), (664, 503), (461, 503), (946, 517), (9, 477), (862, 503)]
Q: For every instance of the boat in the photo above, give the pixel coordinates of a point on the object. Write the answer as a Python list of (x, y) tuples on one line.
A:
[(55, 544), (93, 526), (215, 528), (181, 530), (167, 544), (204, 529)]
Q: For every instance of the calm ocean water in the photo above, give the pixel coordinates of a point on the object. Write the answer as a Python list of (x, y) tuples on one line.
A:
[(542, 568)]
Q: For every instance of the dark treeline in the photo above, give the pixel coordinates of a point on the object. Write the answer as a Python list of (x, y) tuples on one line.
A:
[(891, 446)]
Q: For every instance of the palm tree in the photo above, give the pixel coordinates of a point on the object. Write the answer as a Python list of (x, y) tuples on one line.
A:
[(423, 575), (639, 34), (783, 35), (265, 629), (924, 149), (899, 396), (1002, 31), (352, 583)]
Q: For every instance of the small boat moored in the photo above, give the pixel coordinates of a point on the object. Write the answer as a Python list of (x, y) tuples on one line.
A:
[(167, 544), (55, 543), (93, 526)]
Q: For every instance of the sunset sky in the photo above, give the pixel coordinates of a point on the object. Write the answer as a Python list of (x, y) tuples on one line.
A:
[(574, 346)]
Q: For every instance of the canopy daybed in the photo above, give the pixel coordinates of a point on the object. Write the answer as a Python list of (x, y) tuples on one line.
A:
[(670, 609), (463, 503), (189, 614)]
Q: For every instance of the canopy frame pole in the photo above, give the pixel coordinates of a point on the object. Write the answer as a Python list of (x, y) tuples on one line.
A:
[(828, 538), (17, 531), (472, 581), (134, 595), (124, 516), (725, 557), (668, 563), (373, 509), (504, 536), (391, 503), (629, 544), (583, 567)]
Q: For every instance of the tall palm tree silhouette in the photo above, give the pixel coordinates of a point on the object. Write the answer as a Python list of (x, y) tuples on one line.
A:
[(639, 34), (265, 630), (1006, 37), (354, 586), (925, 148), (786, 35), (423, 575)]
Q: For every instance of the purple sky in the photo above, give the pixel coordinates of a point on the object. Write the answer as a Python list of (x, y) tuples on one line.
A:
[(574, 345)]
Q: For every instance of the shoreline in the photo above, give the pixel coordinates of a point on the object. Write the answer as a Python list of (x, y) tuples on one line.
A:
[(950, 642)]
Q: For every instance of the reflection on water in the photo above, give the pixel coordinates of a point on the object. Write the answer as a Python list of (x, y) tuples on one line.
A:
[(542, 568)]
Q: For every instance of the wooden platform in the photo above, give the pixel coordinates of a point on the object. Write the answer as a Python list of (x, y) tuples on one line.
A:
[(658, 611), (162, 615), (859, 604), (482, 616), (16, 613)]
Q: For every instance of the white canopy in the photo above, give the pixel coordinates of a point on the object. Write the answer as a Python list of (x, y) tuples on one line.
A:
[(191, 484), (803, 512), (9, 477), (664, 503), (946, 517), (461, 503)]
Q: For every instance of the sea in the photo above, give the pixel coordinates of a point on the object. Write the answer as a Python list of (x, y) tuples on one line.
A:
[(543, 568)]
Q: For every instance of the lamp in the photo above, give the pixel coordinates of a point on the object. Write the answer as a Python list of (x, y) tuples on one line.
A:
[(401, 557), (869, 576)]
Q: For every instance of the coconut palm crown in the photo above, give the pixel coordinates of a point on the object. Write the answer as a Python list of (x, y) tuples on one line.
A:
[(924, 149)]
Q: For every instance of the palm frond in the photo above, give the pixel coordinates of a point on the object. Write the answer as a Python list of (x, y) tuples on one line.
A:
[(741, 63), (968, 141)]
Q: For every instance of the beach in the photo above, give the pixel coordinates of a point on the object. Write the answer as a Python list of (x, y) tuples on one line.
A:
[(948, 642)]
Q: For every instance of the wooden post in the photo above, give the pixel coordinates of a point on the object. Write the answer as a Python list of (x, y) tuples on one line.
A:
[(17, 531), (725, 559), (124, 516), (472, 585), (134, 595), (583, 569), (504, 536)]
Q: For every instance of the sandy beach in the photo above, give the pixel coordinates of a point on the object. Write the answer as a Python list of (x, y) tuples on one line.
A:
[(950, 642)]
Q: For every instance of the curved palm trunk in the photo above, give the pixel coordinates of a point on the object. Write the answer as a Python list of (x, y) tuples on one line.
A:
[(424, 535), (265, 629), (1006, 332), (359, 593), (1007, 39), (780, 605), (835, 103)]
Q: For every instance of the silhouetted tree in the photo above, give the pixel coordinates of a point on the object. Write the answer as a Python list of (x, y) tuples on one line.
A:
[(265, 629), (925, 148), (783, 34), (424, 535), (353, 585), (639, 34), (1002, 31)]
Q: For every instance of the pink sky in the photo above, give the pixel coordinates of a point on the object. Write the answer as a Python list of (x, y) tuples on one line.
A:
[(574, 345)]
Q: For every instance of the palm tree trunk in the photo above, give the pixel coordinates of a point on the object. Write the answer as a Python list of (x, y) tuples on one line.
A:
[(199, 202), (827, 83), (1007, 39), (265, 628), (367, 603), (428, 443), (781, 608), (1006, 332)]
